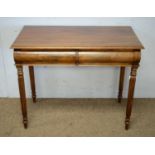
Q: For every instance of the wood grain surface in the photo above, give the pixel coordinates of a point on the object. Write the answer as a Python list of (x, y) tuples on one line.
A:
[(77, 38)]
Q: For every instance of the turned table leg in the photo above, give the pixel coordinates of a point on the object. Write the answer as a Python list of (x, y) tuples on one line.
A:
[(22, 94), (130, 95), (32, 82), (121, 82)]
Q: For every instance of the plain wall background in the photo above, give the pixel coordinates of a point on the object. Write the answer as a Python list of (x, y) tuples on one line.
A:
[(77, 82)]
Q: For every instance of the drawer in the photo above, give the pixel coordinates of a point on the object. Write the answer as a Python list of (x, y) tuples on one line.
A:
[(44, 57), (77, 58), (101, 58)]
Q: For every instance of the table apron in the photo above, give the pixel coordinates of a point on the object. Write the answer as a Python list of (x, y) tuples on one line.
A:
[(77, 58)]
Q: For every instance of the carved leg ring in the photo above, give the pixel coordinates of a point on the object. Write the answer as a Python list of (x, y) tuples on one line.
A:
[(32, 82), (22, 95), (121, 82), (130, 95)]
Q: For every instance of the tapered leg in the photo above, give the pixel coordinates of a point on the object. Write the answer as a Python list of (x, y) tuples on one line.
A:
[(121, 83), (32, 81), (22, 95), (130, 95)]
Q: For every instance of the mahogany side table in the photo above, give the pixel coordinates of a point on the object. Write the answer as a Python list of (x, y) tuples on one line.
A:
[(80, 46)]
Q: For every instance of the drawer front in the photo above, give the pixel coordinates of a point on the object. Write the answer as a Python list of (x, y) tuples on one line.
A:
[(101, 58), (45, 57), (77, 58)]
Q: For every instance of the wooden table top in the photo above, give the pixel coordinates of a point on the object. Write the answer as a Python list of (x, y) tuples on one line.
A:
[(77, 38)]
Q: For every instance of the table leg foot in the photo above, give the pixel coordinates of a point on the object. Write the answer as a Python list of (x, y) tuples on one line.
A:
[(119, 99), (127, 124), (34, 99), (25, 122)]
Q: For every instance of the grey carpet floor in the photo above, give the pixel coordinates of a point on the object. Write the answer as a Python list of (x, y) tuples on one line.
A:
[(77, 117)]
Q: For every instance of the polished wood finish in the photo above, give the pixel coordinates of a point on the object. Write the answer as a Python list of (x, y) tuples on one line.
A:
[(80, 46), (112, 58), (32, 82), (83, 58), (44, 57), (22, 94), (130, 94), (91, 38), (121, 83)]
